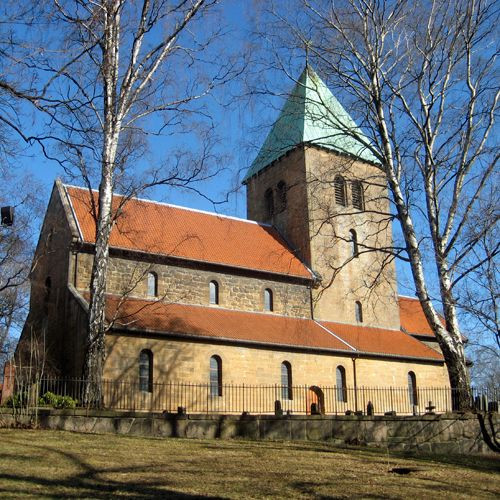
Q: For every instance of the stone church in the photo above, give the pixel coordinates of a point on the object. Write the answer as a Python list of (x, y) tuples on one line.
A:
[(303, 293)]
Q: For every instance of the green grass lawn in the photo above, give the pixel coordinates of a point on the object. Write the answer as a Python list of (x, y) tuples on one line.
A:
[(48, 464)]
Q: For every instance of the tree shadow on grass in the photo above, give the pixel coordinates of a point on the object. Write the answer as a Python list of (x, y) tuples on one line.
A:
[(482, 463), (89, 482)]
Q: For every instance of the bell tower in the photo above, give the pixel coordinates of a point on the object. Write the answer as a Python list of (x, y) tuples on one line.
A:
[(318, 182)]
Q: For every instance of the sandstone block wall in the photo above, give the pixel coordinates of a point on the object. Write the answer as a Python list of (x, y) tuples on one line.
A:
[(369, 278), (188, 362), (293, 222), (318, 229)]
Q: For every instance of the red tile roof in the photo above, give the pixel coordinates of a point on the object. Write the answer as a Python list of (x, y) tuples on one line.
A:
[(260, 328), (412, 317), (164, 229), (215, 322), (382, 341)]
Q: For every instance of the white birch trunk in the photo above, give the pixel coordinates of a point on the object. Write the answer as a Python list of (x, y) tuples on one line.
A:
[(96, 348), (118, 101), (449, 337)]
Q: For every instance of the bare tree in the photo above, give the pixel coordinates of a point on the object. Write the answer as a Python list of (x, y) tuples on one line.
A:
[(479, 310), (111, 75), (421, 79), (16, 251)]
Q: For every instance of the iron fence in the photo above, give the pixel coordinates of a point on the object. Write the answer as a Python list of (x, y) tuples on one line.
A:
[(258, 399)]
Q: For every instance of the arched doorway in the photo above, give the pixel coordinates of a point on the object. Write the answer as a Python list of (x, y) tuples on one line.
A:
[(315, 401)]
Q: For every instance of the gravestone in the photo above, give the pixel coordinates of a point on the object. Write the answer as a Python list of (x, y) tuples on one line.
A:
[(278, 410), (370, 411)]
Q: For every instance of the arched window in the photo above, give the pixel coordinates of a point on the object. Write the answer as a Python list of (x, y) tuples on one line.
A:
[(215, 376), (359, 311), (269, 202), (341, 384), (281, 195), (340, 191), (354, 243), (357, 195), (146, 370), (286, 380), (46, 298), (152, 284), (268, 299), (48, 287), (412, 389), (213, 288)]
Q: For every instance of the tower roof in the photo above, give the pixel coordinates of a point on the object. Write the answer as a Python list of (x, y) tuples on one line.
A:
[(312, 115)]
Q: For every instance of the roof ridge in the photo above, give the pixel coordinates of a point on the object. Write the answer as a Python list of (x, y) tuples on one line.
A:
[(336, 336), (180, 207), (361, 326)]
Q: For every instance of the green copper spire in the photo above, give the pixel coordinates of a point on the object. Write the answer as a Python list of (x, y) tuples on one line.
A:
[(312, 115)]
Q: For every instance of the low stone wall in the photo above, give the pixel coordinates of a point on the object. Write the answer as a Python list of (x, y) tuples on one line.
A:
[(447, 433)]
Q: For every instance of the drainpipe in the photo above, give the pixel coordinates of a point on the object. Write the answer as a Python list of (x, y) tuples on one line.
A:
[(74, 253), (311, 302)]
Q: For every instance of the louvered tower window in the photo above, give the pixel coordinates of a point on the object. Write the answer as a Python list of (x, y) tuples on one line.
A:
[(357, 195), (340, 191)]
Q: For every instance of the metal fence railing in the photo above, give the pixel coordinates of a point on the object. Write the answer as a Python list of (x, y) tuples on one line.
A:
[(258, 399)]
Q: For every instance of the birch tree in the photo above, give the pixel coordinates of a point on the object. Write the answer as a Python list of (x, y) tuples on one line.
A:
[(112, 74), (421, 79)]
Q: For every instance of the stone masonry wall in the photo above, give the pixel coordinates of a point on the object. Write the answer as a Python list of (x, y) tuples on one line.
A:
[(189, 362), (50, 271), (369, 278), (191, 286), (293, 222), (319, 229), (439, 434)]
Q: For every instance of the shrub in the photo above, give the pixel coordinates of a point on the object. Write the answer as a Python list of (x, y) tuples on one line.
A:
[(14, 401), (49, 399), (65, 402), (59, 402)]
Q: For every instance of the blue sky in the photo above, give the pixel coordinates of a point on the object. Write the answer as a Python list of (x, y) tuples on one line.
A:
[(241, 125)]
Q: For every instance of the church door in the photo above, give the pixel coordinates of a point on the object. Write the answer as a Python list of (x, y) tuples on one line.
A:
[(315, 401)]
